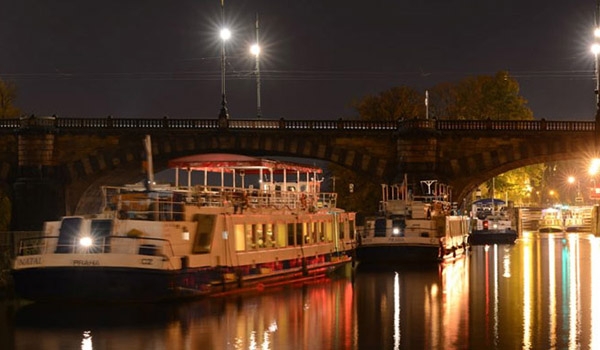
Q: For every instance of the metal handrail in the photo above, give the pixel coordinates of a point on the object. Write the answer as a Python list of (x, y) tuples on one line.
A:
[(298, 125)]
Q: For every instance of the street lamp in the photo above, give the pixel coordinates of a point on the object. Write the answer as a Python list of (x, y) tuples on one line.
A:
[(596, 52), (225, 35), (255, 50)]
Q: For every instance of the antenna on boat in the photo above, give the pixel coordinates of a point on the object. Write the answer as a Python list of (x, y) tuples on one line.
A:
[(148, 166)]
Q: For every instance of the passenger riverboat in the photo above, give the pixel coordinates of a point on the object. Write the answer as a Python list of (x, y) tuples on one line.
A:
[(160, 242), (493, 223), (414, 225)]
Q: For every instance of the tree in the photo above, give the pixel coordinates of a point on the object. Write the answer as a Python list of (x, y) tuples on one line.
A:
[(480, 97), (396, 103), (522, 186), (5, 210), (8, 96)]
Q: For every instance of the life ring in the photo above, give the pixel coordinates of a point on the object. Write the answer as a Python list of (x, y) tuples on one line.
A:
[(260, 287)]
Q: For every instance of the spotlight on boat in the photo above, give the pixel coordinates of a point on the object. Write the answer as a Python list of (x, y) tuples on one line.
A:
[(85, 241), (396, 231)]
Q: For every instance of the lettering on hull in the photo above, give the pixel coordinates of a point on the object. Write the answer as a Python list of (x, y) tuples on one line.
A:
[(86, 262), (30, 261)]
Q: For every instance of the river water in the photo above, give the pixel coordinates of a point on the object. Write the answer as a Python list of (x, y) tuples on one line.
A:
[(535, 294)]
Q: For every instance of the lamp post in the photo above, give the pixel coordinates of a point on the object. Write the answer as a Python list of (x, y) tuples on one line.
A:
[(225, 35), (255, 50), (596, 52)]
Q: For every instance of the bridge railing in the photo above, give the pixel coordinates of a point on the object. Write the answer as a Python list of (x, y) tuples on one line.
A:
[(261, 124), (516, 125)]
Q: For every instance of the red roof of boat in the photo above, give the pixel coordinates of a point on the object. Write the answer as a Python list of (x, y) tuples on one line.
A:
[(215, 162)]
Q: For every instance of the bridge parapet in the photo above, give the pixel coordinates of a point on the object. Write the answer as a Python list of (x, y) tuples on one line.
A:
[(9, 125), (515, 125)]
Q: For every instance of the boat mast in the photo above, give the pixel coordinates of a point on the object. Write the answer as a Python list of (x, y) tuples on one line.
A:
[(493, 193), (148, 164)]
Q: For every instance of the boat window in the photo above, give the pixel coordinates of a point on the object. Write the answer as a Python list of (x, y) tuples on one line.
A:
[(327, 228), (352, 228), (314, 236), (320, 231), (380, 227), (342, 229), (281, 235), (269, 235), (204, 234), (240, 237), (101, 231), (249, 236), (70, 228), (290, 234), (299, 233), (259, 235)]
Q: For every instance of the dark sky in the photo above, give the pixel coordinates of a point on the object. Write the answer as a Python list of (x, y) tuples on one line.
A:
[(150, 58)]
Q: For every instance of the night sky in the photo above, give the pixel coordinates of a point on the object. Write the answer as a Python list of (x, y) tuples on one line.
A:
[(150, 58)]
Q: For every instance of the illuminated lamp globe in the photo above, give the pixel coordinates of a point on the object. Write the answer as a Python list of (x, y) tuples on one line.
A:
[(225, 34), (255, 49)]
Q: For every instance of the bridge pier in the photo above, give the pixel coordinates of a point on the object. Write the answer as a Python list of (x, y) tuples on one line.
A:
[(36, 199), (417, 149), (37, 190)]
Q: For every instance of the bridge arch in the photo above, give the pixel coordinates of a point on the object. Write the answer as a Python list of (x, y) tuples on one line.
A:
[(84, 189), (80, 153)]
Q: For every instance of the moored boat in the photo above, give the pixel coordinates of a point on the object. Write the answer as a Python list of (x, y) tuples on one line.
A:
[(493, 225), (415, 224), (578, 219), (551, 221), (153, 243), (493, 229)]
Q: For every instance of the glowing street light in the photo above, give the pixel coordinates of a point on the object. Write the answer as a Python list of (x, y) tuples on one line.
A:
[(594, 167), (225, 35), (255, 50)]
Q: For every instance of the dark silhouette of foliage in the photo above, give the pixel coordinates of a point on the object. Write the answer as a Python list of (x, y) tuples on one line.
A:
[(8, 96)]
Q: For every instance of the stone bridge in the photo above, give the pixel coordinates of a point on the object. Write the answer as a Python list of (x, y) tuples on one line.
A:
[(54, 166)]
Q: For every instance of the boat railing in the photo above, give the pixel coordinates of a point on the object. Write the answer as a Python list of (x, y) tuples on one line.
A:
[(129, 245), (400, 233), (169, 205)]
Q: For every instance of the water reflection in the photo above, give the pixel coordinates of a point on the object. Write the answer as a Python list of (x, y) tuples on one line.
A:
[(314, 316), (413, 306), (541, 293)]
